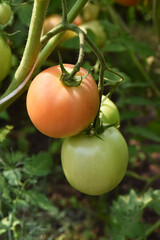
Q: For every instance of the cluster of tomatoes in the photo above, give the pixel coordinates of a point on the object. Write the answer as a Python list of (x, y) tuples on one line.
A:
[(92, 164), (5, 51)]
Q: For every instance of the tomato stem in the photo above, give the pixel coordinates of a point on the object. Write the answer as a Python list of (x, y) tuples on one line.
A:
[(32, 49), (51, 45), (64, 11)]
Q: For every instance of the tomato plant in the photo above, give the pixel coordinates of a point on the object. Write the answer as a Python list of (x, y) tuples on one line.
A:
[(109, 112), (5, 58), (95, 165), (5, 13), (58, 110), (126, 2)]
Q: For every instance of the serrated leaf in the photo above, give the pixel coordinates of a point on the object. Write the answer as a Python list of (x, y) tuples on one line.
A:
[(39, 165), (13, 176), (125, 217), (40, 200)]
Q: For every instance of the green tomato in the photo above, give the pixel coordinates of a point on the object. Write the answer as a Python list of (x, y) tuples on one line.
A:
[(5, 13), (95, 165), (109, 112), (5, 58)]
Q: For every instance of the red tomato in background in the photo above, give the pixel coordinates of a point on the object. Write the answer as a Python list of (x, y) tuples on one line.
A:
[(57, 110), (54, 19)]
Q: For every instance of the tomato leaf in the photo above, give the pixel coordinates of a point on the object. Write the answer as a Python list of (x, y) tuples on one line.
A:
[(13, 176), (40, 200), (4, 191), (144, 132), (39, 165)]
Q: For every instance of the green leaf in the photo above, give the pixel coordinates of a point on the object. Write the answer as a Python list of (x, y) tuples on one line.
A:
[(125, 217), (150, 148), (154, 202), (128, 115), (40, 200), (13, 177), (4, 191), (5, 224), (143, 132), (114, 46), (139, 101), (55, 146), (4, 132), (4, 115), (136, 85), (39, 165), (24, 14)]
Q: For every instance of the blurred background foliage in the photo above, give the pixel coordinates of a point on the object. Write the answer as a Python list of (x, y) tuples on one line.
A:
[(36, 202)]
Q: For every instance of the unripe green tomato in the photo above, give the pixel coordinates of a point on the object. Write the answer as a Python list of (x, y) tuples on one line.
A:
[(5, 13), (96, 27), (109, 112), (5, 58), (95, 165)]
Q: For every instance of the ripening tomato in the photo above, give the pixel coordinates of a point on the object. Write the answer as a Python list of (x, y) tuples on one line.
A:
[(54, 19), (5, 58), (5, 13), (58, 110), (109, 112), (127, 2), (95, 165)]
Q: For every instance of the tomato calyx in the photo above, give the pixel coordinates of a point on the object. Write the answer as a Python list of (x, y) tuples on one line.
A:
[(70, 79), (98, 129)]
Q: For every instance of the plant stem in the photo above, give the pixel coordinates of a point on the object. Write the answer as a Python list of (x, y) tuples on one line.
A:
[(53, 42), (156, 16), (32, 48), (151, 229), (64, 11)]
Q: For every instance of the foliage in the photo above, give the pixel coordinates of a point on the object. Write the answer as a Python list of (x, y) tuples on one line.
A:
[(36, 202)]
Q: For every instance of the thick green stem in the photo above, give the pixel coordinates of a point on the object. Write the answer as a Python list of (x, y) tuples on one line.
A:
[(32, 48), (151, 229), (51, 45)]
